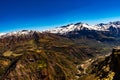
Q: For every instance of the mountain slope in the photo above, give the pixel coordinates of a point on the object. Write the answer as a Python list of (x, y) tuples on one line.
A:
[(40, 56), (105, 68)]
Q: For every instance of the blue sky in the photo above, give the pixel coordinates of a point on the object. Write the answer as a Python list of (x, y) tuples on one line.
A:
[(45, 14)]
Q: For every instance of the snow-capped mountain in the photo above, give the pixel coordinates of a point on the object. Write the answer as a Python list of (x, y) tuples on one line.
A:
[(72, 27), (2, 34), (83, 26), (102, 32), (17, 33)]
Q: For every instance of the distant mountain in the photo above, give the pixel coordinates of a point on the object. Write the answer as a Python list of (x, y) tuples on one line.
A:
[(100, 32), (2, 34), (83, 26), (18, 33)]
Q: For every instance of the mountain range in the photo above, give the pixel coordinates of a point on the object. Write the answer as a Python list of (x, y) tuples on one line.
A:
[(84, 26), (101, 32), (72, 52)]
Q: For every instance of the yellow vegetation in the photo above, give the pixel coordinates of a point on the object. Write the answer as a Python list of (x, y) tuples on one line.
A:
[(10, 53)]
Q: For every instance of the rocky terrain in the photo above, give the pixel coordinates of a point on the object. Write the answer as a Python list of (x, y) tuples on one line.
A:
[(31, 55), (104, 68), (77, 52)]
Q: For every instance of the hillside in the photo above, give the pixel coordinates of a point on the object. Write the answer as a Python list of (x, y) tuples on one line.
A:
[(43, 56), (104, 68)]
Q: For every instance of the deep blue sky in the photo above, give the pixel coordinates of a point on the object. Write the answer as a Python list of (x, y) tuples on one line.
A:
[(44, 14)]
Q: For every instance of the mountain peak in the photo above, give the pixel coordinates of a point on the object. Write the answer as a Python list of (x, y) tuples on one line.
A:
[(78, 23), (67, 25), (101, 24), (115, 23), (2, 34), (81, 26), (17, 33)]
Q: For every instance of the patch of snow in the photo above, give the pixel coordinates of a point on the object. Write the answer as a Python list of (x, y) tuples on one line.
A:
[(17, 33)]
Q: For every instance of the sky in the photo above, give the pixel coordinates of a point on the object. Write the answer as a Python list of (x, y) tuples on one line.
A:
[(46, 14)]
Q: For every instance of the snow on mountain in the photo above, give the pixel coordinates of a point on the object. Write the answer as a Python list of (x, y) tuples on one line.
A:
[(71, 27), (2, 34), (82, 26), (110, 24), (17, 33)]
